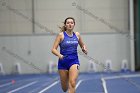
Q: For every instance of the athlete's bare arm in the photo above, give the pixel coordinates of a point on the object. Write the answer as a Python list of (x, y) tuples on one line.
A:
[(82, 45), (58, 39)]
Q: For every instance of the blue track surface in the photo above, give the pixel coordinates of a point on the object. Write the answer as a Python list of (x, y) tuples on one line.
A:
[(86, 83)]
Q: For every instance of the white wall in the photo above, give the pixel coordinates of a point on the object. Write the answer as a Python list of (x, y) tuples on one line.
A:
[(106, 39), (15, 17), (100, 47), (91, 15)]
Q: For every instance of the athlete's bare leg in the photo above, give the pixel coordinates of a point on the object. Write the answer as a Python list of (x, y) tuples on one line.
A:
[(73, 75), (64, 77)]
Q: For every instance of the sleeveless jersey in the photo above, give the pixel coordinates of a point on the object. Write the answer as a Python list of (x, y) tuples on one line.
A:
[(69, 45), (68, 48)]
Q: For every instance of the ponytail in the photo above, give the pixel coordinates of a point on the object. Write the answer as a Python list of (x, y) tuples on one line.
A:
[(62, 29)]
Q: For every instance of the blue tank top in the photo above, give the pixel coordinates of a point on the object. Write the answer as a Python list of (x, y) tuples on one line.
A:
[(69, 45)]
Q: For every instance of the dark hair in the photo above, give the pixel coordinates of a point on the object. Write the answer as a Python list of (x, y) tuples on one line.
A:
[(63, 28)]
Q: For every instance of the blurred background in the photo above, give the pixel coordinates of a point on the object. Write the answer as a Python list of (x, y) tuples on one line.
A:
[(109, 28)]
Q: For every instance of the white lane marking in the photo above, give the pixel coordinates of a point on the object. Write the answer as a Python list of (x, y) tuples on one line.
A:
[(45, 89), (122, 76), (104, 85), (22, 87), (79, 82), (6, 84)]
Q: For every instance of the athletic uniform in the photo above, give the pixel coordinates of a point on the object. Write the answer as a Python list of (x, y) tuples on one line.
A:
[(68, 48)]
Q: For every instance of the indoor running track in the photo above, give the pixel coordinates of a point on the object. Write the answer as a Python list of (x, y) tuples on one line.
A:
[(87, 83)]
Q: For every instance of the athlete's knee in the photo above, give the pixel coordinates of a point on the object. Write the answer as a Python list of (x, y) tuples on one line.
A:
[(73, 83)]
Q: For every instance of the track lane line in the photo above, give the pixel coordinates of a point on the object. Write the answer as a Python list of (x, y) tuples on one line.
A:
[(6, 84), (79, 82), (17, 89), (104, 85), (45, 89)]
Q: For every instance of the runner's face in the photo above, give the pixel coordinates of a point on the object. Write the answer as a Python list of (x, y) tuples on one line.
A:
[(70, 24)]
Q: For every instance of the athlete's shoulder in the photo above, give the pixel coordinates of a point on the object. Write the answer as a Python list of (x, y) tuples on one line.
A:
[(61, 35), (77, 34)]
